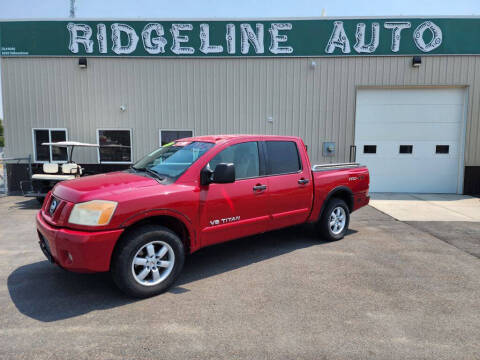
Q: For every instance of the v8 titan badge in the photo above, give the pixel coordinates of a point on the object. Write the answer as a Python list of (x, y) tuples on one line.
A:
[(224, 220)]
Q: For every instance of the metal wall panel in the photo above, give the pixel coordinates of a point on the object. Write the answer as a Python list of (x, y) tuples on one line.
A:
[(216, 96)]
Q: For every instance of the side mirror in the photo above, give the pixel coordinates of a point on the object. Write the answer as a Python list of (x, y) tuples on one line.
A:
[(206, 176), (224, 173)]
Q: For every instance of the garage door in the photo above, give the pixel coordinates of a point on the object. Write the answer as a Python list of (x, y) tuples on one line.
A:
[(411, 139)]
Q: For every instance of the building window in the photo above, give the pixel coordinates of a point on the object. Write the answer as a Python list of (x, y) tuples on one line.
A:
[(442, 149), (369, 149), (115, 145), (49, 153), (167, 136), (406, 149)]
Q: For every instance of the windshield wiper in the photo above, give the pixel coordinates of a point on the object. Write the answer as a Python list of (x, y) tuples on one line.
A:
[(150, 171)]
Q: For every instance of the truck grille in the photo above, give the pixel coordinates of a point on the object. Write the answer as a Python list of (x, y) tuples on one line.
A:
[(55, 211)]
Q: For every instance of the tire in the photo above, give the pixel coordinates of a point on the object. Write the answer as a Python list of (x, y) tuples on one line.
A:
[(337, 212), (147, 261), (40, 199)]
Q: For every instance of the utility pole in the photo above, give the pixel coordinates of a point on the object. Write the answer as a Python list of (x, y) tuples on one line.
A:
[(72, 8)]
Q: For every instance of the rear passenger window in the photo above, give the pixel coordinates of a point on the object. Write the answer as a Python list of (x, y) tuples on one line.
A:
[(282, 157), (245, 158)]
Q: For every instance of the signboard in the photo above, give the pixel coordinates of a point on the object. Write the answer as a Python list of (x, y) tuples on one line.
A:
[(319, 37)]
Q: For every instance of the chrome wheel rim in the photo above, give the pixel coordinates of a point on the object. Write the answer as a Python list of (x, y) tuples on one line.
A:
[(152, 263), (337, 220)]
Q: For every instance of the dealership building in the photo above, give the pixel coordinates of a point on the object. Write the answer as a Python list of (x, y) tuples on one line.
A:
[(401, 95)]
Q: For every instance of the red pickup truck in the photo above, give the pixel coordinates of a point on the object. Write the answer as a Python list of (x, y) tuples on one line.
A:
[(140, 223)]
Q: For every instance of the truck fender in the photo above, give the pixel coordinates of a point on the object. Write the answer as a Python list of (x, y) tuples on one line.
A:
[(346, 194), (164, 212)]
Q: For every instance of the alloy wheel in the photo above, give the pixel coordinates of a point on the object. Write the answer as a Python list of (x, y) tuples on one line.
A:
[(337, 220), (152, 263)]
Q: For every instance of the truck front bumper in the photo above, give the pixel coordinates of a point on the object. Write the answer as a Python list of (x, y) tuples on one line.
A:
[(78, 251)]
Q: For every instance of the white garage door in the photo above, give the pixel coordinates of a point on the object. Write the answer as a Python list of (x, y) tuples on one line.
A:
[(411, 139)]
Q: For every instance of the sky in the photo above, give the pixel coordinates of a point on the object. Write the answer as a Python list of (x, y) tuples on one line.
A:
[(211, 9), (232, 8)]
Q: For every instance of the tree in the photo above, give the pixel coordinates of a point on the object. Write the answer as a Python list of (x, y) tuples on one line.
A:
[(2, 141)]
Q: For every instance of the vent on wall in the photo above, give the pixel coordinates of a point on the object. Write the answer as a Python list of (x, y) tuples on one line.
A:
[(369, 149)]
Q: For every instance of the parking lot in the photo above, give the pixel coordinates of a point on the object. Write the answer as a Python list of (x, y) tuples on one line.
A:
[(388, 290)]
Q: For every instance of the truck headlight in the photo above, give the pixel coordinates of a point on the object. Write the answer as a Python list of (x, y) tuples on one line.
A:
[(92, 213)]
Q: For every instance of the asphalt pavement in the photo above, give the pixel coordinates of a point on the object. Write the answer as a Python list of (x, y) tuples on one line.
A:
[(388, 290)]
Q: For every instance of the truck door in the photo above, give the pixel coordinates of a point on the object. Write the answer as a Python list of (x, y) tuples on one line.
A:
[(229, 211), (290, 188)]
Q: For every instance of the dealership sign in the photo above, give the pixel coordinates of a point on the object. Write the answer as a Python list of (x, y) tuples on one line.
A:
[(320, 37)]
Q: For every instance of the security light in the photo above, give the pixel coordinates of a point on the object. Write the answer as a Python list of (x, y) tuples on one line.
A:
[(82, 63), (416, 61)]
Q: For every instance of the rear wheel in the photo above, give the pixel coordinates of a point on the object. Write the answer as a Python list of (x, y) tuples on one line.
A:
[(333, 224), (147, 261)]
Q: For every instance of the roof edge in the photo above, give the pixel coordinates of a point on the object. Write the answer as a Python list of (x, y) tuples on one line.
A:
[(251, 19)]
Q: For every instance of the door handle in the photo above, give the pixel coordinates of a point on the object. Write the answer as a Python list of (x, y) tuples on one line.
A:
[(303, 181), (259, 187)]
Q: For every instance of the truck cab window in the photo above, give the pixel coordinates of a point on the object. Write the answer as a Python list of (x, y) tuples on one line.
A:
[(245, 158), (173, 160), (283, 157)]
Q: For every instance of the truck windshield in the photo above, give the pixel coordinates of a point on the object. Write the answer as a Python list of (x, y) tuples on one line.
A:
[(172, 160)]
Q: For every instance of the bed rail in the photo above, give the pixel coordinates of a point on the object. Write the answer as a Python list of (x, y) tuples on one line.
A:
[(326, 167)]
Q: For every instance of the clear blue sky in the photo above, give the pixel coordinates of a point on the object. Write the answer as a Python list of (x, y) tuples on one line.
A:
[(21, 9)]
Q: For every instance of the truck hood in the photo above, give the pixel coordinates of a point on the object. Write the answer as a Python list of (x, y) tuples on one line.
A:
[(108, 186)]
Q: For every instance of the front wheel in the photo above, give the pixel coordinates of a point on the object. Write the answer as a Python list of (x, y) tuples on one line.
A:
[(333, 224), (147, 261)]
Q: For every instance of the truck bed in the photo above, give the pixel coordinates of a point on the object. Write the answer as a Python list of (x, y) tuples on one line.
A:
[(347, 180)]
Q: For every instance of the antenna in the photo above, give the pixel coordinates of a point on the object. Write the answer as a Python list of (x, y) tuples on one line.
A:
[(72, 8)]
